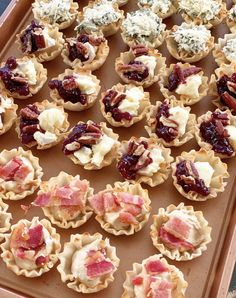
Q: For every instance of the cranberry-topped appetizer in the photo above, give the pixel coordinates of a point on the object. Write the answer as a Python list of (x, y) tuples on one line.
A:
[(225, 50), (144, 160), (123, 209), (22, 77), (154, 277), (64, 200), (163, 8), (91, 145), (31, 248), (7, 112), (180, 233), (75, 90), (124, 105), (170, 122), (87, 263), (5, 219), (45, 42), (185, 82), (20, 174), (217, 131), (86, 51), (42, 124), (199, 175), (140, 66), (231, 19), (55, 12)]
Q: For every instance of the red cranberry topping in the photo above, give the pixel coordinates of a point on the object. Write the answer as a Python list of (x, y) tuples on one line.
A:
[(214, 133), (68, 90), (178, 76), (13, 82), (136, 71), (41, 260), (226, 87), (140, 50), (165, 132), (187, 176), (111, 101), (136, 158)]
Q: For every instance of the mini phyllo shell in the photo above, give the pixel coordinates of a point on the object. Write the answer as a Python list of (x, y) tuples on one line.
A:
[(100, 16), (149, 32), (163, 8), (189, 42), (170, 123), (231, 19), (43, 42), (122, 209), (75, 90), (199, 175), (31, 248), (21, 78), (87, 263), (64, 200), (55, 12), (124, 105), (185, 82), (20, 174), (85, 51), (91, 145), (7, 112), (5, 218), (119, 2), (217, 131), (155, 277), (140, 66), (225, 50), (42, 124), (209, 13), (143, 160), (180, 233)]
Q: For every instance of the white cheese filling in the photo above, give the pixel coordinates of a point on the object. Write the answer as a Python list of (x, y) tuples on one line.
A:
[(205, 171), (179, 115), (49, 41), (132, 101), (230, 50), (85, 84), (231, 131), (5, 104), (27, 70), (162, 6), (190, 87), (51, 119), (44, 138), (149, 61), (154, 166)]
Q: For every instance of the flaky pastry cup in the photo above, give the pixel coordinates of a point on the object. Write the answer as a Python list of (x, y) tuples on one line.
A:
[(179, 140), (76, 243), (208, 23), (76, 106), (60, 133), (128, 56), (108, 158), (182, 55), (184, 99), (231, 21), (134, 189), (217, 184), (174, 254), (5, 219), (9, 116), (20, 191), (41, 73), (144, 104), (170, 12), (48, 53), (54, 213), (207, 146), (121, 2), (108, 29), (218, 54), (101, 56), (176, 276), (162, 174), (63, 25), (8, 257)]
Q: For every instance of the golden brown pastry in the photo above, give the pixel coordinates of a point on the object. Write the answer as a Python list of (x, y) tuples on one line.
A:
[(7, 112)]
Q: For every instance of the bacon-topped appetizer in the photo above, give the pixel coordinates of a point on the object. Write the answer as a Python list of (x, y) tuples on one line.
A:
[(64, 200), (122, 209), (154, 277), (7, 112), (5, 218), (87, 263), (20, 174), (180, 233), (140, 66), (31, 248)]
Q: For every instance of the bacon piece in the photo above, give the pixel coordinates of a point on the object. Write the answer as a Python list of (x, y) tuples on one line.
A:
[(25, 208), (155, 266), (132, 209), (35, 237), (22, 173), (41, 260), (99, 269), (127, 218), (137, 281), (42, 199), (177, 227), (95, 256), (161, 289), (130, 199), (17, 236), (109, 202), (8, 171), (97, 203)]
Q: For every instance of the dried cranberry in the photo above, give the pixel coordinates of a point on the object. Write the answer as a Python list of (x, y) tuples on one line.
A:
[(83, 38), (11, 63), (126, 164), (227, 96), (137, 75), (41, 261)]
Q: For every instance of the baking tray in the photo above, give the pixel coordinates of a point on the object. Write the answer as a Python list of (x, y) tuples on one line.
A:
[(208, 275)]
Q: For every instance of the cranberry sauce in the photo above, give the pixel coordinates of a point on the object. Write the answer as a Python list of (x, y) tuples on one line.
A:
[(29, 123), (178, 76), (190, 181), (32, 38), (165, 132), (12, 81), (111, 102), (214, 133), (68, 90), (226, 87), (136, 71)]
